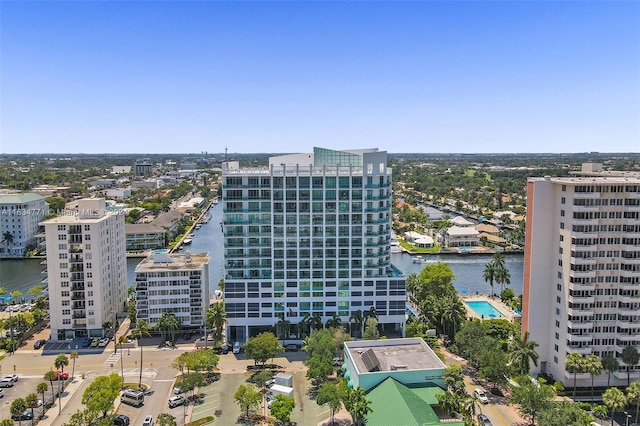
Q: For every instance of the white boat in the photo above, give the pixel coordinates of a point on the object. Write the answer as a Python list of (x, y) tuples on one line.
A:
[(198, 226), (187, 241), (395, 246), (418, 259)]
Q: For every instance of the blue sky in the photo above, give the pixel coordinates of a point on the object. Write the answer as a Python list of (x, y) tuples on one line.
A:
[(403, 76)]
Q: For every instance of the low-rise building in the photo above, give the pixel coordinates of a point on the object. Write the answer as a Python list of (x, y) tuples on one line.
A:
[(175, 282), (458, 236), (145, 236), (402, 373), (169, 221), (20, 215)]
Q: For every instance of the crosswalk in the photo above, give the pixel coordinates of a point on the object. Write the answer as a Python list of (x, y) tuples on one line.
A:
[(112, 360)]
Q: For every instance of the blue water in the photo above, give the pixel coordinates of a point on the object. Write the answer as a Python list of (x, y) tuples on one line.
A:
[(23, 274), (484, 309)]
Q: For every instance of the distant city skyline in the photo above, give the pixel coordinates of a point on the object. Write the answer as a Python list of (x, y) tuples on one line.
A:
[(277, 77)]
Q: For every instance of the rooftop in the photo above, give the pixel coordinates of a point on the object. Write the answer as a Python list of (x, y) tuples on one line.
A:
[(25, 197), (392, 355), (172, 261), (412, 405)]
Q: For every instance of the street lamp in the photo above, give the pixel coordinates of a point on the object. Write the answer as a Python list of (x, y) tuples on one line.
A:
[(115, 332)]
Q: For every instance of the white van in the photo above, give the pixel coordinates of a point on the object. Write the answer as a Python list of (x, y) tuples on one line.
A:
[(132, 397)]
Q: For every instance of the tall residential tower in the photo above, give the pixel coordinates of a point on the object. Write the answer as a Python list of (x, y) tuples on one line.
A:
[(86, 269), (308, 239), (582, 269)]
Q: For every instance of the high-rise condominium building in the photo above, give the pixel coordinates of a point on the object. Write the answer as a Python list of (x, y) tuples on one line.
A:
[(86, 269), (582, 269), (20, 216), (307, 239), (173, 282)]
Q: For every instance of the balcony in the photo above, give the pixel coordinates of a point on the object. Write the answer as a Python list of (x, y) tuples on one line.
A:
[(576, 338), (575, 312), (582, 274), (78, 296), (629, 299), (80, 324), (583, 351), (579, 325), (581, 299), (627, 339)]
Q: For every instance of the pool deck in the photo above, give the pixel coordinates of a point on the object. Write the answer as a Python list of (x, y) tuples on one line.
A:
[(505, 310)]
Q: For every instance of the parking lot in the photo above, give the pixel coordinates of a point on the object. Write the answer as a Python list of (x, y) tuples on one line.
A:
[(218, 401)]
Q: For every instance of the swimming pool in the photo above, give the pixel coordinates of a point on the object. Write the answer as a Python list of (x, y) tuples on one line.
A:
[(484, 309)]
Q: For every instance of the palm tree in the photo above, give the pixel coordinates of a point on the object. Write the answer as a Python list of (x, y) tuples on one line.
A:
[(447, 401), (7, 237), (615, 400), (593, 366), (523, 351), (216, 317), (32, 402), (574, 364), (358, 405), (633, 396), (142, 330), (42, 388), (316, 321), (630, 356), (167, 325), (454, 314), (18, 406), (51, 376), (334, 322), (357, 320), (467, 406), (73, 356), (60, 362), (611, 364), (489, 274), (503, 276), (283, 327), (304, 325)]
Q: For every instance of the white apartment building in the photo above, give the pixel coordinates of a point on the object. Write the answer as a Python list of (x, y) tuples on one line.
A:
[(309, 236), (582, 269), (20, 216), (86, 269), (174, 282)]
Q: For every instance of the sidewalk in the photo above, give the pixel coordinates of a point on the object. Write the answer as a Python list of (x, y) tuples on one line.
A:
[(51, 414)]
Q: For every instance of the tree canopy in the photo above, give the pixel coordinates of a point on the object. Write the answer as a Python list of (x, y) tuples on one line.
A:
[(102, 392), (262, 347)]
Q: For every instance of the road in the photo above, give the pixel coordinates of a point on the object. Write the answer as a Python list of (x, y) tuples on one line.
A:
[(497, 410)]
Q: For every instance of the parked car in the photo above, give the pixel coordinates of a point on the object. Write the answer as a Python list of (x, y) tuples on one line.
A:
[(270, 398), (484, 420), (175, 401), (121, 420), (269, 383), (95, 342), (291, 348), (26, 415), (236, 348), (177, 390), (103, 342), (13, 377), (481, 395), (224, 349), (39, 343), (148, 421), (86, 342), (6, 383)]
